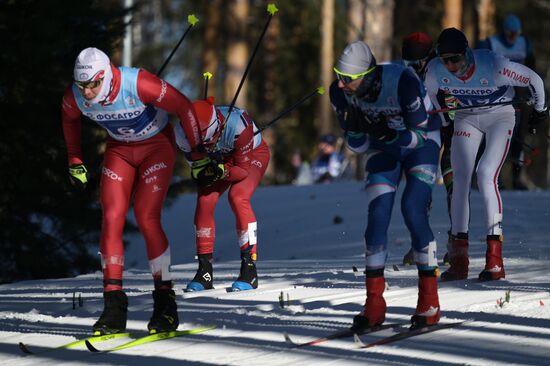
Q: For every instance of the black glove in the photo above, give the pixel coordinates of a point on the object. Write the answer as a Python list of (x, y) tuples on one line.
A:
[(378, 128), (537, 117), (206, 172), (78, 175), (353, 119)]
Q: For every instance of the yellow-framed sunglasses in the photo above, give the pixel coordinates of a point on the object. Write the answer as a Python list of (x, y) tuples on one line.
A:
[(348, 78)]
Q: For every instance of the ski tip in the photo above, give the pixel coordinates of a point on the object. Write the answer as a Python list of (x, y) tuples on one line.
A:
[(24, 349), (90, 347), (358, 340), (288, 340)]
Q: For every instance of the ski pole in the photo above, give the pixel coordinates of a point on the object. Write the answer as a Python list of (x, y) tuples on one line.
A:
[(320, 90), (444, 110), (271, 9), (192, 20), (207, 76)]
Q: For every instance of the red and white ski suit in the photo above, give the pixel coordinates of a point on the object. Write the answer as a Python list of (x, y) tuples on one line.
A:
[(138, 161), (245, 157)]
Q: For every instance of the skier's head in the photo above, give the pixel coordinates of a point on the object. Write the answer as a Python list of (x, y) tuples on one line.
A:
[(358, 73), (416, 49), (355, 66), (454, 52), (92, 74), (210, 120), (511, 28)]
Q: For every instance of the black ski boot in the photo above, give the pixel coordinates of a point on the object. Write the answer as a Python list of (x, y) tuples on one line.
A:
[(165, 312), (115, 312), (408, 259), (248, 278), (204, 278)]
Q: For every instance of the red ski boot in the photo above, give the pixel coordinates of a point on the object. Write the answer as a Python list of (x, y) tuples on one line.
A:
[(427, 308), (374, 310), (494, 266), (458, 258)]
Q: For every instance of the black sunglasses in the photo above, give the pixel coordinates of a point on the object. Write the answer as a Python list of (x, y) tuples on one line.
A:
[(452, 59), (344, 78), (88, 84)]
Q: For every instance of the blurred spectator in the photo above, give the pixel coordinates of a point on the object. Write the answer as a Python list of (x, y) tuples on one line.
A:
[(511, 44), (302, 170), (329, 164)]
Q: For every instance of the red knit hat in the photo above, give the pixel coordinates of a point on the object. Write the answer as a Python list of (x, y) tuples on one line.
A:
[(416, 46), (210, 119)]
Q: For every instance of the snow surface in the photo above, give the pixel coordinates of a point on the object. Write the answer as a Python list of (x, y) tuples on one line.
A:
[(306, 256)]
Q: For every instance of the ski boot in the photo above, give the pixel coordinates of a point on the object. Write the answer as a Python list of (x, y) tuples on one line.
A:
[(374, 310), (115, 312), (408, 259), (204, 277), (165, 312), (248, 277), (427, 308), (494, 266), (458, 258)]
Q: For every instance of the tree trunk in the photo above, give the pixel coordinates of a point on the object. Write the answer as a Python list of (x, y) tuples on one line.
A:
[(379, 28), (452, 14), (486, 10), (470, 22), (210, 44), (356, 20), (237, 50), (326, 62)]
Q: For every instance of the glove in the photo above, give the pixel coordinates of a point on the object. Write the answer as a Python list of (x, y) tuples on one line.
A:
[(206, 172), (378, 128), (537, 117), (353, 119), (78, 175), (451, 102)]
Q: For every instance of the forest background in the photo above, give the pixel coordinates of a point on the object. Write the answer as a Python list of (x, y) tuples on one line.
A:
[(49, 230)]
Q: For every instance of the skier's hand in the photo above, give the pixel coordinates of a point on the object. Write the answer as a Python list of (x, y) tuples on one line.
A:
[(378, 128), (206, 171), (78, 174), (451, 102), (537, 117), (354, 119)]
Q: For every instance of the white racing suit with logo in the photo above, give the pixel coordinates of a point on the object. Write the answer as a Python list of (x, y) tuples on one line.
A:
[(491, 81)]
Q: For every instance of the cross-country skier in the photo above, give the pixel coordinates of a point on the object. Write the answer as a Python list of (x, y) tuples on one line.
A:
[(474, 78), (243, 157), (130, 104), (381, 110), (416, 51)]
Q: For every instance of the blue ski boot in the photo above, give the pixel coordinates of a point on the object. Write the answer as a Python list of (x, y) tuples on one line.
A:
[(248, 278)]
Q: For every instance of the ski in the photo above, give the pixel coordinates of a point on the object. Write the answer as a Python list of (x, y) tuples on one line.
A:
[(406, 334), (93, 339), (343, 333), (150, 338)]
